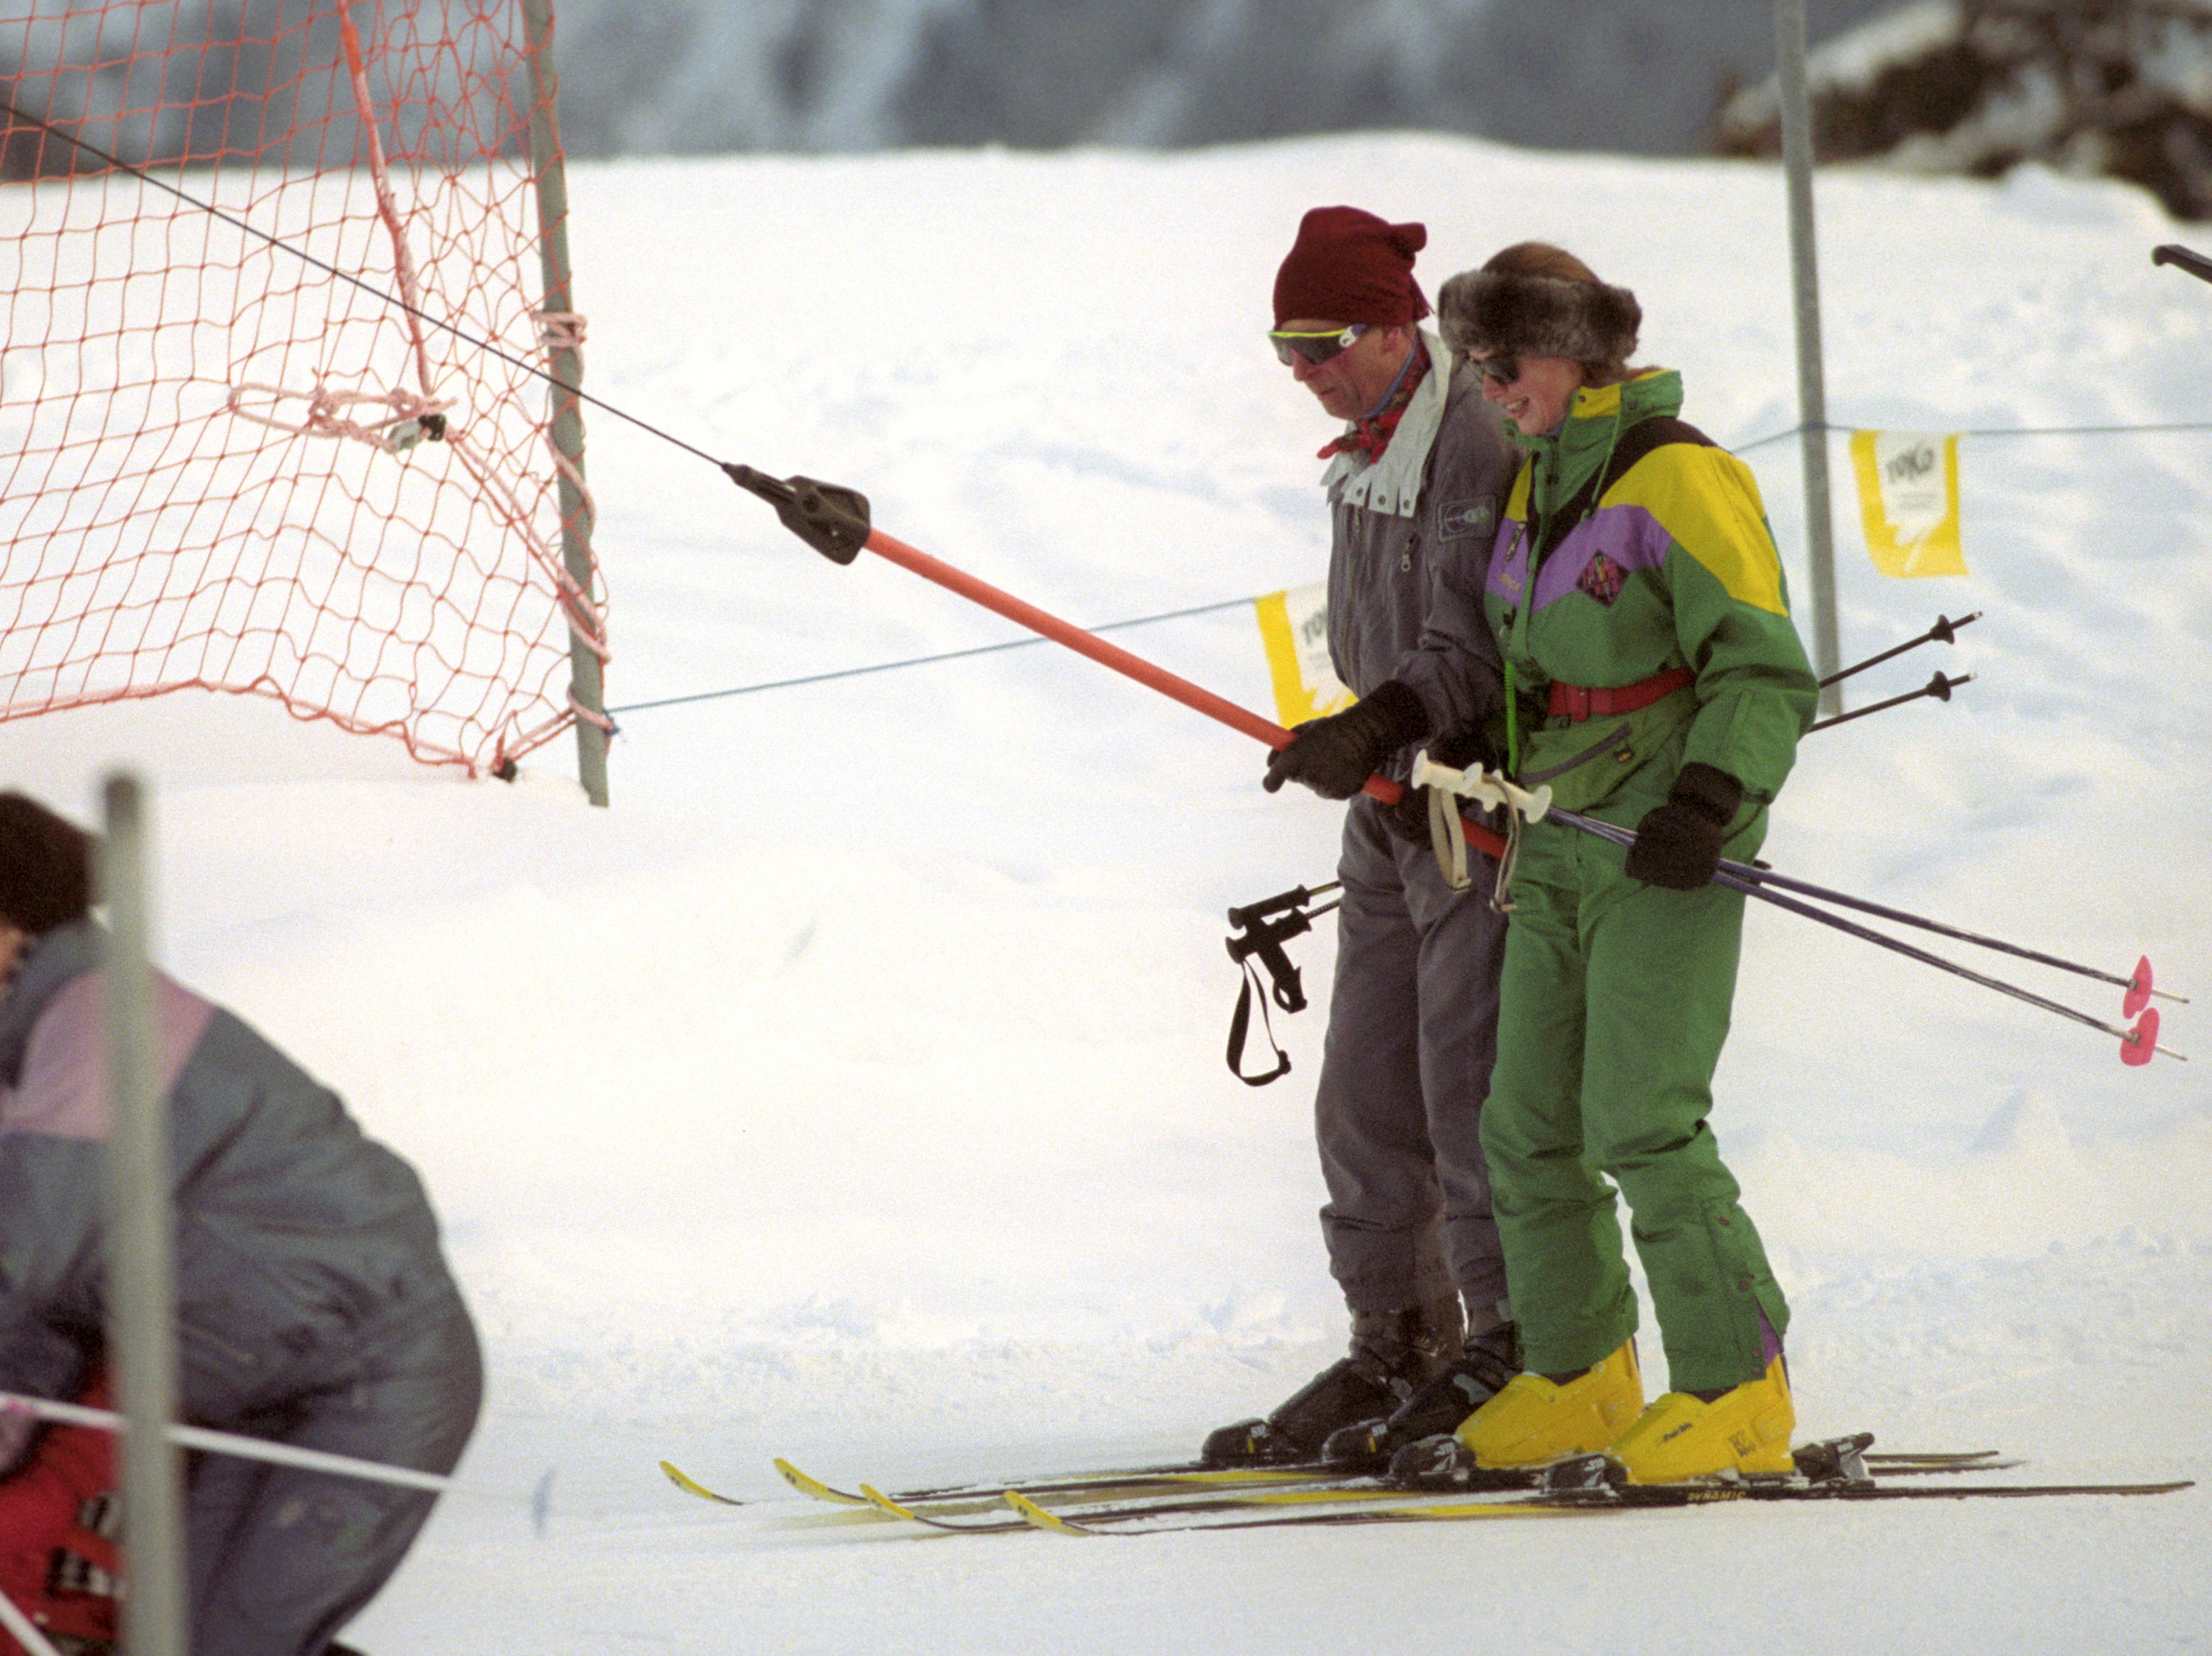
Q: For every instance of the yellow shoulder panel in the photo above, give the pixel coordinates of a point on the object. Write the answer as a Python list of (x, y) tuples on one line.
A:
[(1596, 402), (1516, 498), (1708, 501)]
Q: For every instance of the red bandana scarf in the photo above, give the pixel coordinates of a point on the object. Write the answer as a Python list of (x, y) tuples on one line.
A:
[(1371, 435)]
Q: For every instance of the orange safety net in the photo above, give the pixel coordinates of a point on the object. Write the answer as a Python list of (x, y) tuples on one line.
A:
[(223, 467)]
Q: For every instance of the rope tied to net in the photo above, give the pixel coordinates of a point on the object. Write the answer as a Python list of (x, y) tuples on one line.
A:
[(559, 331), (411, 416)]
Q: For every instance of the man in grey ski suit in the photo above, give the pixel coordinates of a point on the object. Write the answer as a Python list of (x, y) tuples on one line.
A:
[(313, 1306), (1415, 485)]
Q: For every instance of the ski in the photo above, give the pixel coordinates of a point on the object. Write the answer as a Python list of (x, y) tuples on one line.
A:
[(973, 1497), (1656, 1498), (1836, 1469), (1124, 1484), (1140, 1482), (815, 1488), (890, 1508), (1030, 1514), (1100, 1523), (691, 1486), (1396, 1507), (1075, 1487)]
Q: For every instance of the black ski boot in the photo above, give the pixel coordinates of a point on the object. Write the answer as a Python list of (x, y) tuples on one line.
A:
[(1455, 1391), (1393, 1355)]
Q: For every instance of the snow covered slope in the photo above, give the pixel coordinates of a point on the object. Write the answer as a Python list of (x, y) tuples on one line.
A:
[(852, 1090)]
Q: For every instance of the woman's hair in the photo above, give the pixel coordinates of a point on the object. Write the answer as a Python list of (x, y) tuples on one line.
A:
[(1541, 259), (46, 867)]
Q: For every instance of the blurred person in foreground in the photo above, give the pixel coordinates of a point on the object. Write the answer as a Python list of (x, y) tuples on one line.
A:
[(1653, 679), (313, 1306), (1414, 483)]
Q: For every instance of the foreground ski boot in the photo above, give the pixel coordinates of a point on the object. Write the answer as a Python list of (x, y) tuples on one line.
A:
[(1456, 1391), (1535, 1420), (1744, 1432), (1393, 1353)]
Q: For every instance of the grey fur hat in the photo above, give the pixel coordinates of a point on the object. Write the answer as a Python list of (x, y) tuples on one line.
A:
[(1494, 312)]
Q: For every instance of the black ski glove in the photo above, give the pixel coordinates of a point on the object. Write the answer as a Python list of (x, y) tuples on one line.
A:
[(1336, 755), (1678, 844), (1409, 818)]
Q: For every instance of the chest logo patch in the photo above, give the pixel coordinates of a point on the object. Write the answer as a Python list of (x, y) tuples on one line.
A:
[(1458, 517), (1601, 578)]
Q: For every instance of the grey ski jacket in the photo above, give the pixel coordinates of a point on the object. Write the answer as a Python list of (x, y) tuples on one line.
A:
[(294, 1232), (1410, 550)]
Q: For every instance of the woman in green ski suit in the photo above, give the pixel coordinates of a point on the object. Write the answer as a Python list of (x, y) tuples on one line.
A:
[(1655, 680)]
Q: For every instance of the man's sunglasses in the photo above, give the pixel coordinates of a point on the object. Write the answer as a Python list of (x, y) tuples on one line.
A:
[(1316, 348), (1498, 370)]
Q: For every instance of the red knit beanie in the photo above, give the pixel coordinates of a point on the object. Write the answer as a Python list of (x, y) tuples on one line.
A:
[(1350, 266)]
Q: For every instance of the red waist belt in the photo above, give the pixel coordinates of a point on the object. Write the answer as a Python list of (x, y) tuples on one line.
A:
[(1578, 703)]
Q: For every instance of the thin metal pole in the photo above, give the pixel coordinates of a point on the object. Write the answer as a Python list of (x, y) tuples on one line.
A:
[(1812, 391), (141, 1332), (587, 678)]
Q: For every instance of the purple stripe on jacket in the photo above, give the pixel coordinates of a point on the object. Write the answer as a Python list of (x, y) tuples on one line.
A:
[(63, 1092), (1629, 536)]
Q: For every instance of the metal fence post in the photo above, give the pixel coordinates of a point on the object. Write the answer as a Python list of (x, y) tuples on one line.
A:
[(585, 675), (1812, 391), (142, 1308)]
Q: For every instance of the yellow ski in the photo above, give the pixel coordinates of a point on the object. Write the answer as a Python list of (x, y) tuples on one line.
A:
[(883, 1503), (814, 1488), (691, 1486), (1037, 1518)]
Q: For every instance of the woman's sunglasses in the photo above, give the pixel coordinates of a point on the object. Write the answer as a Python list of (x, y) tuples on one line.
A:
[(1316, 348), (1498, 370)]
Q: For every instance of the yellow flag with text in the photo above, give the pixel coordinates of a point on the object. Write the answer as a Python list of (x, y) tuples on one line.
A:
[(1909, 500), (1295, 626)]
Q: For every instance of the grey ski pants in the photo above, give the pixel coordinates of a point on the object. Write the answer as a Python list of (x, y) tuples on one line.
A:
[(1413, 1029), (281, 1559)]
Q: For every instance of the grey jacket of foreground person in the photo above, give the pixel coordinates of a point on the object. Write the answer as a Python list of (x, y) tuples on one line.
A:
[(1413, 1010), (1409, 552), (313, 1306)]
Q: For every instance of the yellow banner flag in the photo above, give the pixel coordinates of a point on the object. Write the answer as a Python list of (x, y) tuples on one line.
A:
[(1909, 499), (1295, 625)]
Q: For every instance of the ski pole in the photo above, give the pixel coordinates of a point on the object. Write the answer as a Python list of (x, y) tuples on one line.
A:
[(1945, 631), (1262, 929), (2180, 257), (2136, 1045), (834, 521), (1940, 687), (2138, 983)]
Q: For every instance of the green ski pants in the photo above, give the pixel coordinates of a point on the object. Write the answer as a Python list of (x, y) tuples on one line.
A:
[(1613, 1006)]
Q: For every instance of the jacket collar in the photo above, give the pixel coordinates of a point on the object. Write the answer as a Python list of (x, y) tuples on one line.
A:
[(65, 953), (1392, 485), (1597, 415)]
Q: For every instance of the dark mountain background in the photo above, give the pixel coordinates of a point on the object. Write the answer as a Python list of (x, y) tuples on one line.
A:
[(1648, 76), (2118, 87), (706, 77)]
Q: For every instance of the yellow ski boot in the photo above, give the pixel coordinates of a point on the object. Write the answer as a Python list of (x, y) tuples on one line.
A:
[(1680, 1438), (1535, 1420)]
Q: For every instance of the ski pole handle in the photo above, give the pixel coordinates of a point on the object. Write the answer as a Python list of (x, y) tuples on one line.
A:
[(2180, 257), (1946, 631)]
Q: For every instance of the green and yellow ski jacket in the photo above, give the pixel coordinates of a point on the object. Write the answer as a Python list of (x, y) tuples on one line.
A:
[(1670, 566)]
